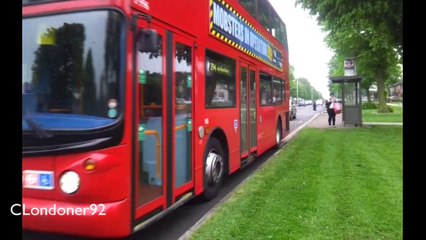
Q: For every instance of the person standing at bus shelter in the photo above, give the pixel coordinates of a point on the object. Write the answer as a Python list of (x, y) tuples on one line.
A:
[(330, 110)]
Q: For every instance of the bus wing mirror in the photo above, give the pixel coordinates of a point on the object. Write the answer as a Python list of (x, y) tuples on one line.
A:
[(148, 40)]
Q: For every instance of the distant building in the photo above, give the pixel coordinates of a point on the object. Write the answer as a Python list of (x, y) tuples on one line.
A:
[(396, 90)]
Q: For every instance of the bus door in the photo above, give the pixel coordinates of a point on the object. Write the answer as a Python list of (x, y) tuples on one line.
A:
[(248, 115), (182, 165), (163, 156)]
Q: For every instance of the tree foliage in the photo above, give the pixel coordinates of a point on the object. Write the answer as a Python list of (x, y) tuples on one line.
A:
[(370, 31), (305, 90), (293, 82), (379, 18)]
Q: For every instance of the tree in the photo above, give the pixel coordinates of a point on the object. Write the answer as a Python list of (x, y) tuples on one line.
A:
[(374, 60), (305, 88), (306, 91), (365, 69), (369, 30), (293, 82), (383, 17)]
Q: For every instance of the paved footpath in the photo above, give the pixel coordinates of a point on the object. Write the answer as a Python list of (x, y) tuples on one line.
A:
[(321, 121)]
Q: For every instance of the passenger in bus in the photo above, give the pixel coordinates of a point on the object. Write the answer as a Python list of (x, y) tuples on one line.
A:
[(264, 96), (210, 92)]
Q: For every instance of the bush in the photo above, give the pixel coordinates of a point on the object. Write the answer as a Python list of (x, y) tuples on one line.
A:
[(388, 109), (369, 105)]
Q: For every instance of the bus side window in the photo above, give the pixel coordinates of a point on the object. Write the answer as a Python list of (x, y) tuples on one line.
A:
[(220, 82), (265, 89), (278, 90), (151, 88)]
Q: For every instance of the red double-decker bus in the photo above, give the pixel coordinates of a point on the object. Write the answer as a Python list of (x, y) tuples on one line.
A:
[(132, 107)]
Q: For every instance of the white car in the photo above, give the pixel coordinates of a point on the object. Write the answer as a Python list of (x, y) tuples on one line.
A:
[(318, 101)]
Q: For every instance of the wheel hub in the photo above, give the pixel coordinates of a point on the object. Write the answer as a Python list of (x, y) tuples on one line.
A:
[(214, 168)]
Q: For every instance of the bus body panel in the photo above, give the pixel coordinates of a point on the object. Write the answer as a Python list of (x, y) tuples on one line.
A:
[(224, 119), (102, 200), (111, 166), (86, 219)]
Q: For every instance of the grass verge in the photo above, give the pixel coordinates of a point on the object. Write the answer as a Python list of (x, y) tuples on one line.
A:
[(325, 184), (371, 115)]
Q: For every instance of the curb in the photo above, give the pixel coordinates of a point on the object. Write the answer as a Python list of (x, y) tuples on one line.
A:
[(382, 124), (291, 135), (206, 216)]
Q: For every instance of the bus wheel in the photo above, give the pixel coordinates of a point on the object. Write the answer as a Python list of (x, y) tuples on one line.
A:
[(213, 168), (278, 136)]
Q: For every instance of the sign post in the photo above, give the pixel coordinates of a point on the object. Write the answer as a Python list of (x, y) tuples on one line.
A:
[(350, 68)]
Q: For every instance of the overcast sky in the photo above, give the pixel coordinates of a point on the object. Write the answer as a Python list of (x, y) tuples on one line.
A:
[(308, 53)]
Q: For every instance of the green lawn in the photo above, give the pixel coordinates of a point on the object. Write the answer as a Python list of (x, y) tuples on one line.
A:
[(371, 115), (325, 184)]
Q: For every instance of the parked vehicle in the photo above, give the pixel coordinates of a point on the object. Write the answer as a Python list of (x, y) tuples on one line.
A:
[(394, 98), (318, 101)]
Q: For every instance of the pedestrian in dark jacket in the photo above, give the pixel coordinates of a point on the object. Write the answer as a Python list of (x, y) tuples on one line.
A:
[(329, 104)]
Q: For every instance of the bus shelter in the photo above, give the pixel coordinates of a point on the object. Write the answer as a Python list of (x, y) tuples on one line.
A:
[(351, 99)]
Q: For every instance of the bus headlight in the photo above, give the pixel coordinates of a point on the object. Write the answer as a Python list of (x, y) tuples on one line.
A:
[(69, 182)]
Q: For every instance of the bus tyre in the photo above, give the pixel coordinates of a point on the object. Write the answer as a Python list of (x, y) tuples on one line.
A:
[(278, 136), (214, 165)]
